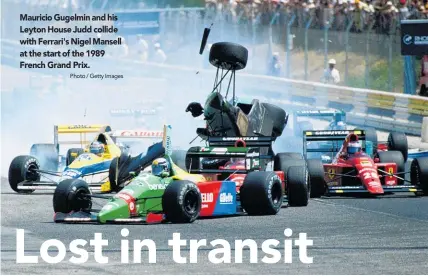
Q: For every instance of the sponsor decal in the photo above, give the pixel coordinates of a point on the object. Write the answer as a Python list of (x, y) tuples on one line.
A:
[(130, 200), (253, 154), (390, 182), (226, 198), (391, 170), (137, 133), (84, 157), (78, 126), (366, 164), (369, 175), (332, 132), (240, 138), (71, 173), (157, 186), (331, 173), (219, 150), (207, 197), (407, 39), (368, 170)]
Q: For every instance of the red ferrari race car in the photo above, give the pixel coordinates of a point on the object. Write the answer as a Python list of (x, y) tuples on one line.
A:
[(352, 170)]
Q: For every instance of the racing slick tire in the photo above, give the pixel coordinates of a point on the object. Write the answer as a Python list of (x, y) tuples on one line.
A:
[(116, 165), (284, 160), (316, 178), (371, 136), (397, 141), (192, 162), (20, 170), (419, 174), (394, 157), (72, 154), (227, 55), (69, 196), (261, 193), (278, 116), (47, 154), (298, 186), (181, 202)]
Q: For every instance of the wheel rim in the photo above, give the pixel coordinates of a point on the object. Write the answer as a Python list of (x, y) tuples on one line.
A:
[(31, 173), (276, 193), (191, 200), (81, 202)]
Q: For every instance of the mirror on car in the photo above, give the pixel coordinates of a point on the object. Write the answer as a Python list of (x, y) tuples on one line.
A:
[(204, 39)]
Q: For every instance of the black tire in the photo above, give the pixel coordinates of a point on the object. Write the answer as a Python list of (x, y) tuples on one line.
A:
[(284, 160), (397, 141), (72, 154), (192, 162), (278, 115), (116, 165), (69, 196), (371, 135), (298, 186), (419, 173), (394, 157), (181, 202), (47, 154), (261, 193), (227, 55), (316, 178), (20, 169), (423, 91)]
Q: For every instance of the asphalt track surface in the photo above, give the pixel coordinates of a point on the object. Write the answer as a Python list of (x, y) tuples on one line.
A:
[(386, 235)]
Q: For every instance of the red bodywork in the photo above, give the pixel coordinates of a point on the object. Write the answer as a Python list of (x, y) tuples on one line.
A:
[(238, 178), (366, 170)]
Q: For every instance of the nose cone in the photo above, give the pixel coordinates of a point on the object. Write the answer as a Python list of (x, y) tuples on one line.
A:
[(117, 208), (371, 181)]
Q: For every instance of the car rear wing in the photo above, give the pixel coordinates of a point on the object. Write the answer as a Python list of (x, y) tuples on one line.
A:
[(250, 141), (319, 113), (82, 130), (137, 134), (337, 137), (332, 135)]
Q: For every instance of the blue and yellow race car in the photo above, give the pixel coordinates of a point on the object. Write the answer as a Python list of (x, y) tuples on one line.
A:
[(27, 172)]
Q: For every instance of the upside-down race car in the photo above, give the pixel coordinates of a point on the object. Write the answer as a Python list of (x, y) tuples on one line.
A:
[(168, 193), (354, 171), (27, 175)]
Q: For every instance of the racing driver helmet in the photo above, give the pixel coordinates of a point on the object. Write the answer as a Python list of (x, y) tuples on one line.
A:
[(161, 167), (97, 148), (354, 147)]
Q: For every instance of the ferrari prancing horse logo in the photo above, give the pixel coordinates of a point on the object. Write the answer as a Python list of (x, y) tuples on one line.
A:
[(331, 173), (391, 170)]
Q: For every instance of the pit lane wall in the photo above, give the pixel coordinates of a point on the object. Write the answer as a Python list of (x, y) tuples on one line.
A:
[(366, 108)]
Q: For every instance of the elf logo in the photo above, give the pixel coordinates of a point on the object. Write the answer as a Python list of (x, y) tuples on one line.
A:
[(226, 198)]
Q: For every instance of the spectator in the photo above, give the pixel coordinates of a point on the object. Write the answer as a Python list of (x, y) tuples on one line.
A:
[(142, 48), (331, 74), (274, 68), (159, 55)]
